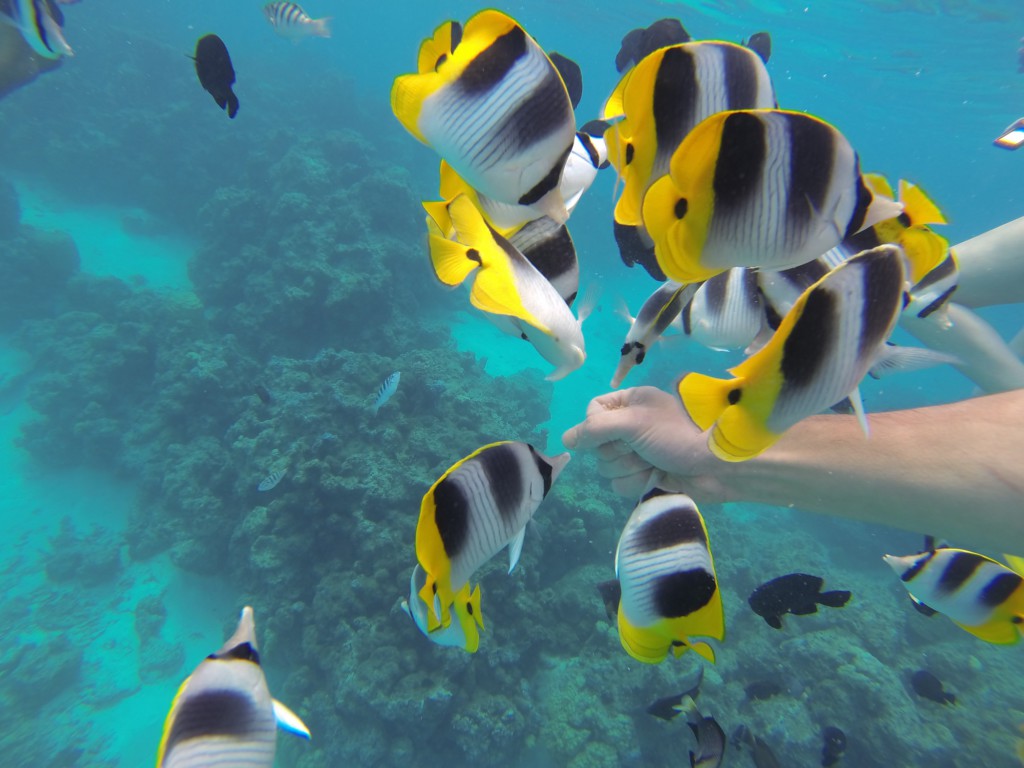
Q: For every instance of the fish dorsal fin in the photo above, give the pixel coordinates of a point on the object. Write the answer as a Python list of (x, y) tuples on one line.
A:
[(918, 206), (858, 408), (439, 46), (515, 549), (571, 74), (614, 105), (289, 721), (1016, 563)]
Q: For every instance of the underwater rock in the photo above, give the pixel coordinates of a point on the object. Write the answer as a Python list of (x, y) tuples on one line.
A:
[(35, 267), (159, 659), (150, 615), (10, 210), (86, 560), (44, 671)]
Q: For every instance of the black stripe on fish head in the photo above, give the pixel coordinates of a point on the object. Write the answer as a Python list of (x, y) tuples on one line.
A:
[(501, 467), (629, 346), (860, 208), (451, 516), (543, 466), (213, 713), (671, 527), (999, 589), (739, 76), (740, 164), (882, 297), (917, 567), (812, 152), (683, 593), (960, 567), (802, 357), (551, 180), (241, 652), (674, 98), (588, 145), (493, 63)]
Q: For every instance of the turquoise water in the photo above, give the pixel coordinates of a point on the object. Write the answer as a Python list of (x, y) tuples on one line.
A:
[(285, 249)]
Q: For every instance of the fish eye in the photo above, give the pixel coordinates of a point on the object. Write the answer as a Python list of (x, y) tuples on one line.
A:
[(440, 60), (734, 395), (681, 207), (629, 153)]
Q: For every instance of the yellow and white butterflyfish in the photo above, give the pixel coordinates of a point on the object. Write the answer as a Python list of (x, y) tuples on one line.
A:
[(763, 188), (495, 108), (726, 312), (505, 283), (655, 316), (464, 631), (475, 509), (223, 713), (824, 346), (980, 595), (669, 588), (660, 100)]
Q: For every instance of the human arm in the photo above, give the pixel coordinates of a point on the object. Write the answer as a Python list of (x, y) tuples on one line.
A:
[(955, 471)]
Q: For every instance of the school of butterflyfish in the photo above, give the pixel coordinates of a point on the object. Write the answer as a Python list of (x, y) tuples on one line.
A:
[(765, 236)]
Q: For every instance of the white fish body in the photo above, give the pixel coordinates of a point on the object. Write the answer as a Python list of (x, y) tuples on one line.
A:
[(290, 21), (387, 389), (726, 311), (270, 482)]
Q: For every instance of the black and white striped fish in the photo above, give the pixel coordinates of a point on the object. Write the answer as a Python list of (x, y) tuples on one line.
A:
[(289, 20), (760, 188), (669, 587), (270, 482), (726, 312), (387, 388), (549, 247), (491, 103), (223, 713), (40, 23), (475, 509), (977, 593), (657, 313)]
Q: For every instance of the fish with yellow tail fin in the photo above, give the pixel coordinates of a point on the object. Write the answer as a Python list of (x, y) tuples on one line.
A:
[(978, 594), (761, 188), (223, 713), (505, 283), (475, 509), (495, 108), (660, 101), (834, 333), (910, 230), (464, 631), (669, 587)]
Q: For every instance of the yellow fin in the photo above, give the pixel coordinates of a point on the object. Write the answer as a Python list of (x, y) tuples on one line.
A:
[(435, 48), (643, 645), (407, 96), (437, 210), (740, 435), (452, 261), (1000, 632), (705, 398), (1015, 562), (925, 250), (614, 106), (452, 185), (918, 206), (169, 721), (468, 222), (878, 184), (702, 649)]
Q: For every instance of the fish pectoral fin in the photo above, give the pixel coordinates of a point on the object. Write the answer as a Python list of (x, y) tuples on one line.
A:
[(893, 358), (452, 261), (701, 649), (858, 408), (290, 722), (515, 549), (705, 397)]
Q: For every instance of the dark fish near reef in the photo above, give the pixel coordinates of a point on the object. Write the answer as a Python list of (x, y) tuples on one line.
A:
[(928, 686), (834, 747), (611, 593), (476, 508), (670, 707), (216, 75), (263, 394), (270, 482), (462, 633), (828, 341), (760, 752), (223, 713), (764, 188), (669, 587), (762, 689), (710, 743), (488, 100), (980, 595), (796, 593)]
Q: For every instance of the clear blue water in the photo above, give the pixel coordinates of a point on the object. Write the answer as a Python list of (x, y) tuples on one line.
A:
[(221, 238)]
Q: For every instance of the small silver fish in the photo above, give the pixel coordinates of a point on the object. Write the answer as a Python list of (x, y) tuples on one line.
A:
[(387, 389), (270, 481), (289, 20)]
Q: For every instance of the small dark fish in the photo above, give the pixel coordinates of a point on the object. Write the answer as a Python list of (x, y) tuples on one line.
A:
[(611, 594), (761, 44), (710, 743), (835, 745), (670, 707), (263, 394), (928, 686), (796, 593), (638, 43), (216, 75), (760, 752), (762, 689)]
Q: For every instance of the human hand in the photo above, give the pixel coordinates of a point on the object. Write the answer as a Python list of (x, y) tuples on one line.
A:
[(640, 431)]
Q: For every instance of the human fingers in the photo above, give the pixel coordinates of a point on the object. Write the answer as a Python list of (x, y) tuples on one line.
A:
[(623, 466), (606, 419), (631, 485)]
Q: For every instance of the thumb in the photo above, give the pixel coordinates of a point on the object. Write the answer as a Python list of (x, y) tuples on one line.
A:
[(606, 417)]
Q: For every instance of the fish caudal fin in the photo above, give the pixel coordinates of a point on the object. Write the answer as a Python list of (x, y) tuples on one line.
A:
[(701, 649), (705, 397), (452, 261), (320, 27), (837, 598), (918, 206)]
